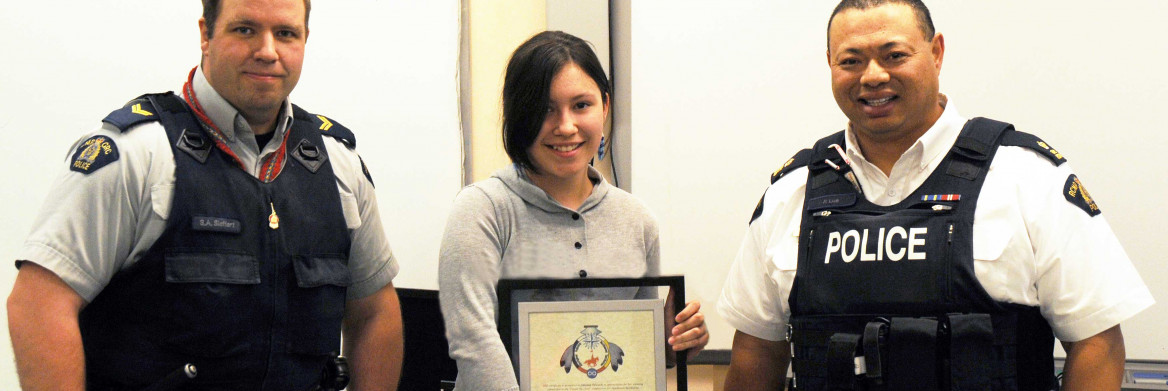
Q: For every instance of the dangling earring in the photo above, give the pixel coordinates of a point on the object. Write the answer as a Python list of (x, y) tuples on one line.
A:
[(600, 152)]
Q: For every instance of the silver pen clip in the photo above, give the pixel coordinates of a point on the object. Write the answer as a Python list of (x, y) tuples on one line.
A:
[(849, 174)]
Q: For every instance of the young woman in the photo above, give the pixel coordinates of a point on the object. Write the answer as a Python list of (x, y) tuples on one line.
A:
[(548, 215)]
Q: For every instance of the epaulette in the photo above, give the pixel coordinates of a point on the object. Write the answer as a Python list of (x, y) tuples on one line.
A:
[(1027, 140), (133, 113), (799, 160), (327, 126)]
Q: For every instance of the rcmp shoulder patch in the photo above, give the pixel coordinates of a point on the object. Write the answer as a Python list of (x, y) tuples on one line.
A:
[(94, 153), (1027, 140), (757, 210), (134, 112), (1077, 195), (799, 160), (326, 126), (365, 170)]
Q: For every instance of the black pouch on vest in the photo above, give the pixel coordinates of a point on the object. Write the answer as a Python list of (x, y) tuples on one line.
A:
[(912, 350)]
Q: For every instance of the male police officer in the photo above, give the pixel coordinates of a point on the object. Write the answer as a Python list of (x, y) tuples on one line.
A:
[(222, 227), (917, 250)]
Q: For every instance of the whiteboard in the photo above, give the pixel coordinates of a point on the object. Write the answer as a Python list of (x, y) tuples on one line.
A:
[(386, 70), (723, 93)]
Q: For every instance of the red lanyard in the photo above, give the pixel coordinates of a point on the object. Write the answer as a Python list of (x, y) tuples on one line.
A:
[(272, 164)]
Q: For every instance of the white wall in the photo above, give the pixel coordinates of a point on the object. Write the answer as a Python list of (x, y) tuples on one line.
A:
[(387, 70), (723, 93)]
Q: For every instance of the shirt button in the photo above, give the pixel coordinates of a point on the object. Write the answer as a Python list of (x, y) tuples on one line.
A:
[(583, 274), (575, 216), (578, 245), (892, 193)]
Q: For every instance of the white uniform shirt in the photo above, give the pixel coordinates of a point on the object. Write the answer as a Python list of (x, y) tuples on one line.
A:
[(1031, 246), (95, 224)]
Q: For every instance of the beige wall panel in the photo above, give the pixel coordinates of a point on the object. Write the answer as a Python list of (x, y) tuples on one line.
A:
[(496, 28)]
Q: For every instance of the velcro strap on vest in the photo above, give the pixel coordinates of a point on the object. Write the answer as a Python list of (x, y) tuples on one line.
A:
[(874, 332), (971, 351), (841, 361), (169, 102), (975, 144), (962, 169), (912, 351), (978, 137)]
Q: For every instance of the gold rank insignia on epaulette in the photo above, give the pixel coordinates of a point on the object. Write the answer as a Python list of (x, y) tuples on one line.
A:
[(779, 173), (134, 112), (326, 126), (1078, 196), (94, 153), (1032, 142), (800, 159), (1050, 151)]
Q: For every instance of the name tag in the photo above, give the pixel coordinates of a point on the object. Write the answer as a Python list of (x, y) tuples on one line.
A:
[(215, 224), (831, 201)]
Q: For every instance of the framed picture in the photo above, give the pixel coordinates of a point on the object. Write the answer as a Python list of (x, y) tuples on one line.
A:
[(593, 345), (573, 319)]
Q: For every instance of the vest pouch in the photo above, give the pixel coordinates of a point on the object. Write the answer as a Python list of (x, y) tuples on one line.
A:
[(842, 366), (912, 351), (825, 348), (213, 301), (316, 306), (971, 352)]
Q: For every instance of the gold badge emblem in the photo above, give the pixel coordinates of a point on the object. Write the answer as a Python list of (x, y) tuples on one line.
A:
[(273, 219)]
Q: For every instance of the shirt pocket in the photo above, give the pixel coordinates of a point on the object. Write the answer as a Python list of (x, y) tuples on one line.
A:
[(990, 240), (217, 297), (784, 248)]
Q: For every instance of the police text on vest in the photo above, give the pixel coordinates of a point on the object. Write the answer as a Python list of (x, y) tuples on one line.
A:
[(855, 243)]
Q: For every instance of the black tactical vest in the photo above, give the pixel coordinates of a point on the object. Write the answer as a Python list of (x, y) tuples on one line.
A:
[(253, 303), (885, 298)]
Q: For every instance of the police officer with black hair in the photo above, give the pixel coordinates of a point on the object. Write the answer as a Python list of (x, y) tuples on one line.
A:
[(219, 237), (920, 250)]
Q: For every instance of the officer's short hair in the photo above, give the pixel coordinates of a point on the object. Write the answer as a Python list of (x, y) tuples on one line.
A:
[(528, 82), (211, 14), (924, 19)]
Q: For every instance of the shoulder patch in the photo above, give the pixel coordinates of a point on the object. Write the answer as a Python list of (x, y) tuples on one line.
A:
[(134, 112), (96, 152), (1077, 195), (757, 210), (326, 126), (799, 160), (365, 170), (1027, 140)]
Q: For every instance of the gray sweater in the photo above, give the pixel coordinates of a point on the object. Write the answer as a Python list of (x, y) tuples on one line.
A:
[(506, 227)]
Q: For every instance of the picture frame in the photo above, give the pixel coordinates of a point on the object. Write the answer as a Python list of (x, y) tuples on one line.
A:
[(594, 345), (511, 292)]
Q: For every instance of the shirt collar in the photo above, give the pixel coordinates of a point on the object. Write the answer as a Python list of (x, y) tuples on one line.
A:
[(517, 180), (225, 116), (937, 142), (931, 146)]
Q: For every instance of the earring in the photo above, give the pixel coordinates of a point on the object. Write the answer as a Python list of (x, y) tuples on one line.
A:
[(600, 152)]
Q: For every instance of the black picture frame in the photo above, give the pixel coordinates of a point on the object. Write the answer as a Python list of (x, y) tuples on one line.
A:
[(506, 288)]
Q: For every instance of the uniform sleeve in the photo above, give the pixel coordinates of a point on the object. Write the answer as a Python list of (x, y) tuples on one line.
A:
[(468, 269), (1085, 281), (754, 297), (87, 227), (371, 261)]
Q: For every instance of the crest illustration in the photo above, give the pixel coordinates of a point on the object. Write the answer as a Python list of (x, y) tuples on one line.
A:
[(592, 353)]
